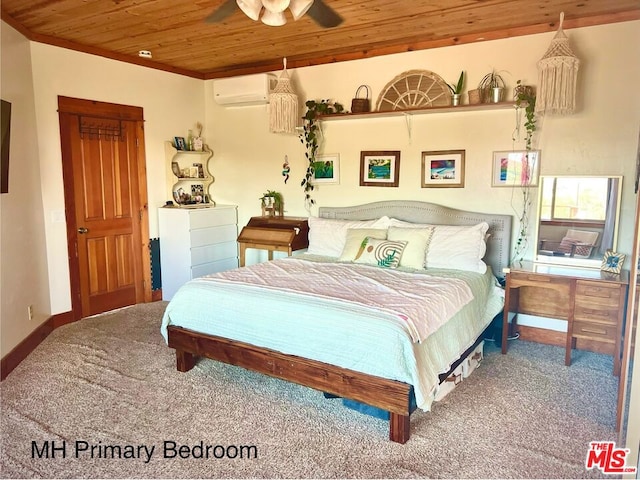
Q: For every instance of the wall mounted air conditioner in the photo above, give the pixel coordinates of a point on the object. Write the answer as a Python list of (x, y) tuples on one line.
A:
[(244, 90)]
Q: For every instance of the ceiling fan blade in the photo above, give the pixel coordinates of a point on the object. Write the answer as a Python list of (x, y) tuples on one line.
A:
[(324, 15), (222, 12)]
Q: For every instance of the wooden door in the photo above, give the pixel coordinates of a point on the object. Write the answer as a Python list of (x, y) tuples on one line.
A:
[(106, 205)]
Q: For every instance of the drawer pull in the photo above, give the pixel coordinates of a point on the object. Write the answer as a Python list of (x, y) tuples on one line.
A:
[(595, 313), (594, 331), (536, 278)]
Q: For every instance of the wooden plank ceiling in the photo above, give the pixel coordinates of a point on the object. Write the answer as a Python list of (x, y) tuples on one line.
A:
[(182, 42)]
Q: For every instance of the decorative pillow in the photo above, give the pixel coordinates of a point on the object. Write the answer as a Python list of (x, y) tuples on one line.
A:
[(355, 237), (458, 247), (383, 253), (417, 239), (328, 236)]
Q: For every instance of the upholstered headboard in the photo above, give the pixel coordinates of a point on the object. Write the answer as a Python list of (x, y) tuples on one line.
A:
[(498, 245)]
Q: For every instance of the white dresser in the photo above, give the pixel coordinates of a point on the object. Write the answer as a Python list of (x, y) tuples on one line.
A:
[(196, 242)]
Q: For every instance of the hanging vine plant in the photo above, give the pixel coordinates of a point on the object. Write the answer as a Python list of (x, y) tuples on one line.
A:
[(310, 138), (524, 96)]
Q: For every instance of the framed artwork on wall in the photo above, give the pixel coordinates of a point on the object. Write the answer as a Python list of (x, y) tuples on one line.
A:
[(515, 168), (379, 169), (443, 168), (326, 169)]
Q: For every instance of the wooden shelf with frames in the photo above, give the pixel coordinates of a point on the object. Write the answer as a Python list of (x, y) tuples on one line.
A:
[(188, 176)]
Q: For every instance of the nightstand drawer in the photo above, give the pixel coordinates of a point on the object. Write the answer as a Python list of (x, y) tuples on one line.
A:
[(595, 331)]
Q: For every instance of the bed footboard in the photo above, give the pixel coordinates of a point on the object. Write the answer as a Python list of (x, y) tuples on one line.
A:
[(389, 395)]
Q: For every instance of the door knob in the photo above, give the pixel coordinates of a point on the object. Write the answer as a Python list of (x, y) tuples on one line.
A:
[(83, 230)]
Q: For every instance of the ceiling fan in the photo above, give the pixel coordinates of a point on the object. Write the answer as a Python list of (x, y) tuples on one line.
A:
[(273, 11)]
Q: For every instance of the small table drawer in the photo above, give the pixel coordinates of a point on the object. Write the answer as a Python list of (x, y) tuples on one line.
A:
[(596, 313), (595, 331), (519, 279), (602, 293)]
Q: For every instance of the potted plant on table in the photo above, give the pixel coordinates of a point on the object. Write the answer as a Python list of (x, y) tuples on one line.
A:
[(272, 203)]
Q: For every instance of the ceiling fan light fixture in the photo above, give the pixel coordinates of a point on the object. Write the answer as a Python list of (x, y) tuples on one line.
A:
[(251, 8), (299, 8), (275, 6), (273, 19)]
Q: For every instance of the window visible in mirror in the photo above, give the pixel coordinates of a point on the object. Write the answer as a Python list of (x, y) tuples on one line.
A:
[(578, 219), (574, 199)]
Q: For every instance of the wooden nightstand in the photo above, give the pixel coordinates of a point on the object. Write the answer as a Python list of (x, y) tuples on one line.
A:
[(591, 301), (274, 234)]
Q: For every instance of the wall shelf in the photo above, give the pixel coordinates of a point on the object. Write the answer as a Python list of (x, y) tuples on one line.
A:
[(408, 114), (420, 111)]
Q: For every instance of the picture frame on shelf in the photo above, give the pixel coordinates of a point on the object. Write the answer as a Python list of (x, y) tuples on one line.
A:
[(200, 170), (515, 168), (612, 262), (197, 193), (326, 169), (379, 168), (180, 143), (443, 169)]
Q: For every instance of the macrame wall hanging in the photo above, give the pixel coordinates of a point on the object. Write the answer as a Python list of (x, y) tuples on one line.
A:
[(283, 104), (558, 75)]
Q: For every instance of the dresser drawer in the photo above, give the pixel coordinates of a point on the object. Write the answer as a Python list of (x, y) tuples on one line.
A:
[(595, 331), (213, 235), (210, 217), (213, 253)]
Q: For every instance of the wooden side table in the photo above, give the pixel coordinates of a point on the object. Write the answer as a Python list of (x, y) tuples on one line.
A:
[(274, 234), (591, 301)]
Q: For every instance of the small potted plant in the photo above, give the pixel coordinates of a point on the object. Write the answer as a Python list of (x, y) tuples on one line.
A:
[(456, 90), (272, 204), (492, 87)]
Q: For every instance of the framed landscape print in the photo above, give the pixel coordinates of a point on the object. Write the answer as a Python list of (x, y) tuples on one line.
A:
[(443, 168), (379, 169), (515, 168), (326, 169)]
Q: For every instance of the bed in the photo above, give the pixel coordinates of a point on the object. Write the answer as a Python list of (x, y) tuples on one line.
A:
[(251, 317)]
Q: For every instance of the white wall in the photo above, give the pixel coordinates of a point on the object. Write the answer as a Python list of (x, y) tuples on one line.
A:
[(172, 104), (600, 139), (24, 279)]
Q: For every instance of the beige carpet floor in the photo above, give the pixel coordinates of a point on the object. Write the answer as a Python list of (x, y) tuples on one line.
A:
[(111, 381)]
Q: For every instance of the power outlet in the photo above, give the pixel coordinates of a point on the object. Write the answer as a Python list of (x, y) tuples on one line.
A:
[(30, 312)]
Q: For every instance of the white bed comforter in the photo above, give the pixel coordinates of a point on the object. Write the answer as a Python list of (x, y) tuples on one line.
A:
[(377, 321)]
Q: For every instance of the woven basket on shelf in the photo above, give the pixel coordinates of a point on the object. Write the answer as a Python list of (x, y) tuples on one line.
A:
[(360, 105)]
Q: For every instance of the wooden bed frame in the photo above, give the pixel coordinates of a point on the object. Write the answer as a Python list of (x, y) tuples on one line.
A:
[(390, 395)]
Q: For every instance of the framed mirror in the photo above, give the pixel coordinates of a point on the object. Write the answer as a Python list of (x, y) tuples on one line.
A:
[(577, 219)]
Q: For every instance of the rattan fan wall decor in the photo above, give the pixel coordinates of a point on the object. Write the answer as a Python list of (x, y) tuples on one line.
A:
[(414, 89)]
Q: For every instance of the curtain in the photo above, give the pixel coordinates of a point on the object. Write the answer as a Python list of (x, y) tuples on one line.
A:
[(610, 222)]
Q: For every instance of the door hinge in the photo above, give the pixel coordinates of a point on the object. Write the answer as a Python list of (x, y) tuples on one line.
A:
[(137, 142)]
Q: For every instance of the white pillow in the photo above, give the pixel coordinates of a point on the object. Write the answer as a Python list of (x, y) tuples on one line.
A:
[(355, 237), (382, 253), (458, 247), (414, 255), (328, 236), (452, 246)]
